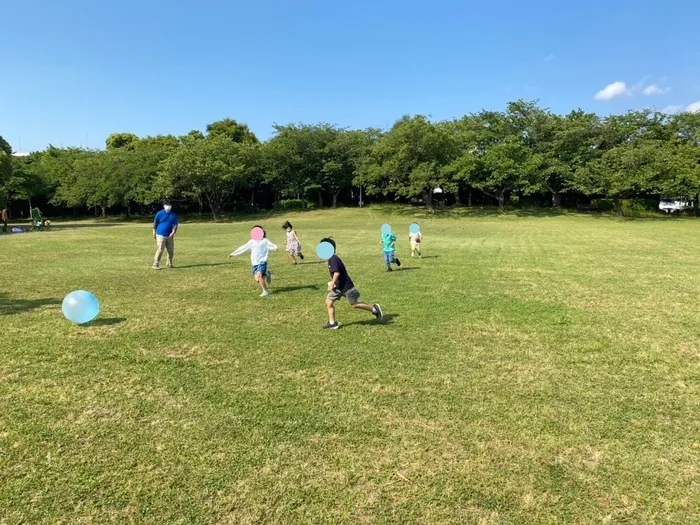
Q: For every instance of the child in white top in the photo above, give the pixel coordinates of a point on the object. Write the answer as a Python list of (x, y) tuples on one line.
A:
[(415, 239), (258, 259)]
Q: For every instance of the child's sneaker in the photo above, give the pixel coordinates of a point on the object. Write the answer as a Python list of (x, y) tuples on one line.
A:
[(268, 278), (265, 293), (398, 263), (156, 267), (377, 311), (331, 326), (301, 256), (389, 269)]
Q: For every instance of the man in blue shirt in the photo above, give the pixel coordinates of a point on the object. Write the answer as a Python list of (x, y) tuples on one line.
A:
[(164, 229)]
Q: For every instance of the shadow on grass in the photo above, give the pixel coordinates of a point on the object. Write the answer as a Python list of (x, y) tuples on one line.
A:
[(199, 265), (388, 319), (80, 225), (430, 257), (407, 268), (108, 321), (10, 306), (286, 289)]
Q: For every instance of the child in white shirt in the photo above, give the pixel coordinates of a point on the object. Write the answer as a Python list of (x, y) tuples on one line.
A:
[(258, 259), (415, 239)]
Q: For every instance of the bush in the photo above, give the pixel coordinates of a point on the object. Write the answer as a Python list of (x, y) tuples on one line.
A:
[(629, 206), (294, 204), (640, 206), (604, 205)]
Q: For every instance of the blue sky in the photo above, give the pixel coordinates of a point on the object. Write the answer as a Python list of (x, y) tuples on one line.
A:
[(74, 71)]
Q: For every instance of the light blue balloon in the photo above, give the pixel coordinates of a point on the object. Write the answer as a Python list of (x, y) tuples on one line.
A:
[(414, 228), (325, 250), (386, 229), (80, 307)]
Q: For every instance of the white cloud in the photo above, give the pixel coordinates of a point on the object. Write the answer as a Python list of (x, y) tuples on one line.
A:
[(653, 89), (611, 91), (550, 57), (694, 107), (639, 85), (670, 110)]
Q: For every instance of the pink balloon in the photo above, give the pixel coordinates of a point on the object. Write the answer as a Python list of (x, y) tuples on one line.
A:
[(257, 233)]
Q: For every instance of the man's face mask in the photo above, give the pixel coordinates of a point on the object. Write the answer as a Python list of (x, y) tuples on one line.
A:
[(167, 207)]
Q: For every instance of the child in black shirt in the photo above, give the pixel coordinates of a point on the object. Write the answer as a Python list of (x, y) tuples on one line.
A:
[(340, 286)]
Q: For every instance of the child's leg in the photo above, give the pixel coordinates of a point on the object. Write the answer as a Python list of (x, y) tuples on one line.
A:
[(387, 260), (260, 279), (330, 305), (353, 296), (292, 257), (363, 306)]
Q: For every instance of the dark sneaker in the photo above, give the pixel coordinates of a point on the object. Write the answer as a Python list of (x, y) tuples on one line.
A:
[(333, 326), (377, 311), (398, 263), (268, 278), (389, 270), (301, 256)]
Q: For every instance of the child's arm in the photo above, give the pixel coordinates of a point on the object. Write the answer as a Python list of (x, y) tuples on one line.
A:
[(334, 281), (297, 238), (241, 249), (271, 246)]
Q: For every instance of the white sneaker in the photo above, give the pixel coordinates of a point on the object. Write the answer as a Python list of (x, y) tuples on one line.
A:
[(265, 293), (156, 267)]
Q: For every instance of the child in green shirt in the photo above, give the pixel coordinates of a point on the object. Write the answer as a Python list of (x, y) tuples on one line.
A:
[(389, 244)]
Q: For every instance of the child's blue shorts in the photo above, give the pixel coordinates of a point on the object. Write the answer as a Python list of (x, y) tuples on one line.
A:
[(262, 268)]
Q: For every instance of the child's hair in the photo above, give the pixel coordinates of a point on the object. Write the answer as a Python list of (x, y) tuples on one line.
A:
[(330, 241), (166, 201), (286, 225), (263, 229)]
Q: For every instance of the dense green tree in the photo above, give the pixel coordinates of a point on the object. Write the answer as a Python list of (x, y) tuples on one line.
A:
[(503, 160), (26, 181), (297, 156), (5, 146), (231, 129), (212, 169), (126, 141), (409, 160), (524, 150)]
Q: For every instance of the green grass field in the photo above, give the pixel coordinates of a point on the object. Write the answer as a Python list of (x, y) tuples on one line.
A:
[(532, 370)]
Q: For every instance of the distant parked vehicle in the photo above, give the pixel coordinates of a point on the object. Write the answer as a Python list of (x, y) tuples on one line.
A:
[(673, 205)]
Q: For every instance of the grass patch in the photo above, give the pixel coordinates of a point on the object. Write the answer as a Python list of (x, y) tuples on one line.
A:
[(535, 369)]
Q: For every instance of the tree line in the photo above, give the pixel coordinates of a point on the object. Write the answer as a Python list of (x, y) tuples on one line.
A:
[(492, 157)]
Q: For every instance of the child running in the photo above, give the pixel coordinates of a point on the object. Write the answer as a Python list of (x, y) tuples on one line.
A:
[(293, 245), (415, 240), (342, 286), (258, 259), (389, 243)]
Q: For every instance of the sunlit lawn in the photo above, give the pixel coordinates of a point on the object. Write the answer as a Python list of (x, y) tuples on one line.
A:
[(532, 369)]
